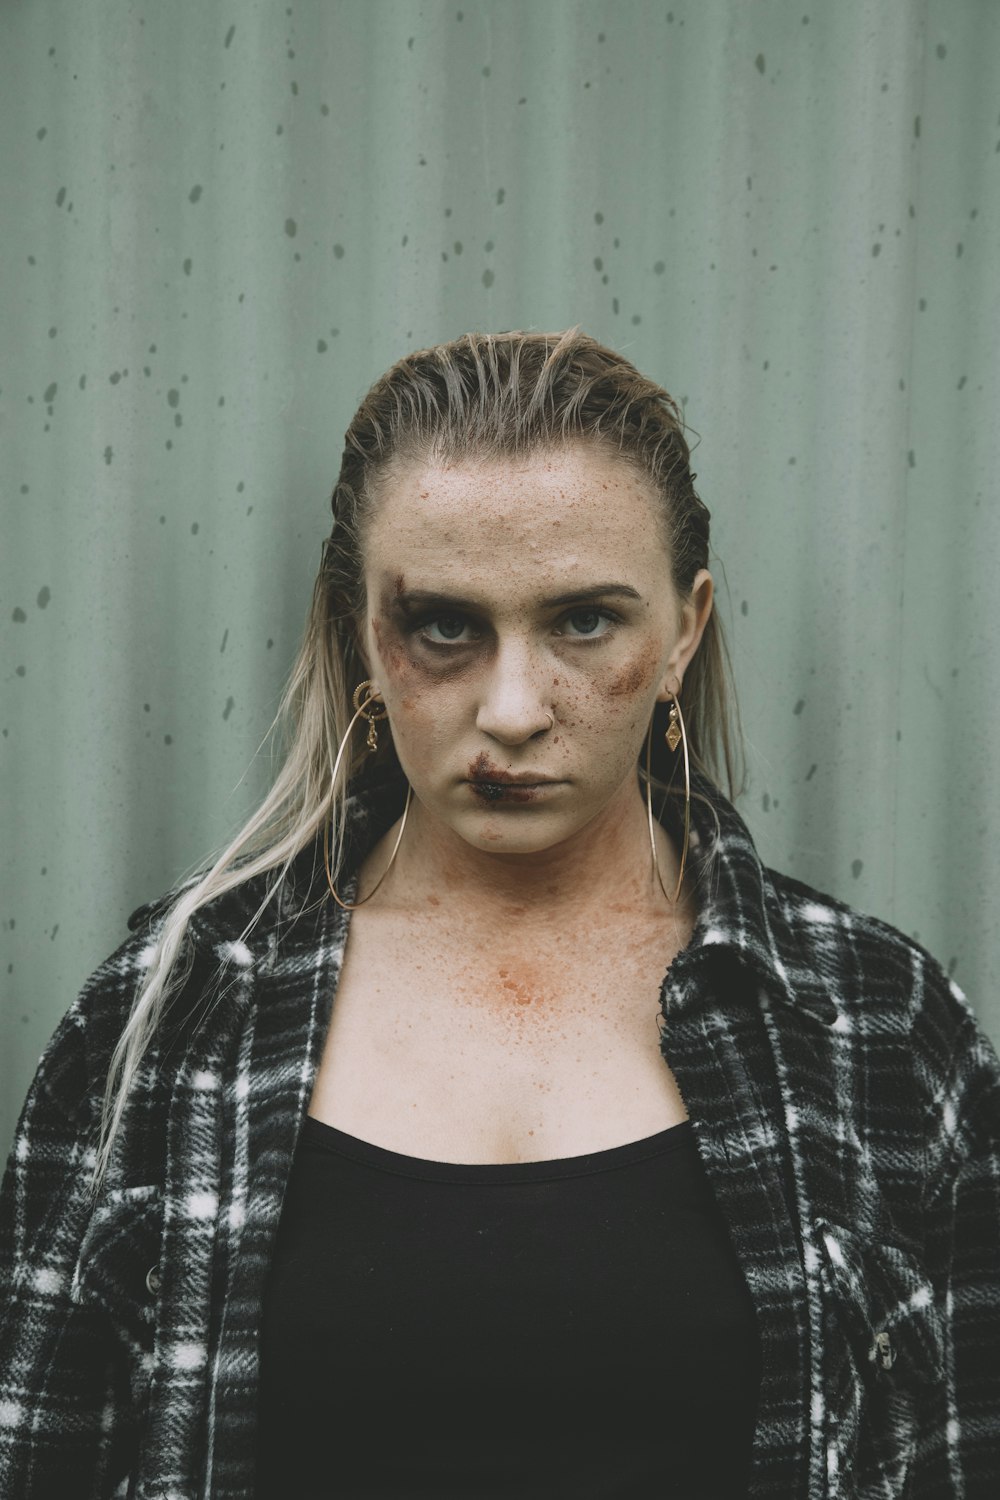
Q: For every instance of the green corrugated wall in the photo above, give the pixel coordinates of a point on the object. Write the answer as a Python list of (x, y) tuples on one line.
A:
[(221, 221)]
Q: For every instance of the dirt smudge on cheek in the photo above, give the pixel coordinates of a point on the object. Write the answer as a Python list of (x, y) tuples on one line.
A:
[(636, 673)]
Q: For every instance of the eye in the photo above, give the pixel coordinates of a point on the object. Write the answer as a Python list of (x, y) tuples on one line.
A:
[(446, 630), (587, 624)]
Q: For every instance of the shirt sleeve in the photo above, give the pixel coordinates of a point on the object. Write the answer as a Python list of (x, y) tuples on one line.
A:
[(958, 1450), (67, 1418)]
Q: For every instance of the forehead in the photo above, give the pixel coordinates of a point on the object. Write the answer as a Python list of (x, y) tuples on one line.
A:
[(560, 511)]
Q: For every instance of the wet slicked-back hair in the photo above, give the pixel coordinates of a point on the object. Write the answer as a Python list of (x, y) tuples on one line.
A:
[(484, 396)]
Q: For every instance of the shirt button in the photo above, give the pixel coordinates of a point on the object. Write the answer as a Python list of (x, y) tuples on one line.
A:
[(153, 1280), (886, 1353)]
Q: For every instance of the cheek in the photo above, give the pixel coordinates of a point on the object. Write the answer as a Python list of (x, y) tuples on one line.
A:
[(615, 700), (417, 703), (634, 677)]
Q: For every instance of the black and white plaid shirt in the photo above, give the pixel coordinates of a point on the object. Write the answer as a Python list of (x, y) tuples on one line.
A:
[(844, 1099)]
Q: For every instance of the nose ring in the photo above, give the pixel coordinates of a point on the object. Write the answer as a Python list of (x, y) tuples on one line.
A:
[(552, 723)]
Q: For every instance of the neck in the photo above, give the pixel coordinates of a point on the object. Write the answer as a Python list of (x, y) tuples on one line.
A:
[(604, 868)]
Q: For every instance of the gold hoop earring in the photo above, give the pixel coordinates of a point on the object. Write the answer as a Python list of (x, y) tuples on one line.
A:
[(675, 733), (364, 710)]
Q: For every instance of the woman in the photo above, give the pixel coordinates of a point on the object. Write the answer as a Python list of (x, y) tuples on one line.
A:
[(621, 1165)]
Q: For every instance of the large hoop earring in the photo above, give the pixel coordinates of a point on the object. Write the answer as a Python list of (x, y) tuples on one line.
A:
[(675, 733), (364, 709)]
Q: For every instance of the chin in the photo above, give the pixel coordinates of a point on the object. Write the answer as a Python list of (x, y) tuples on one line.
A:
[(524, 832)]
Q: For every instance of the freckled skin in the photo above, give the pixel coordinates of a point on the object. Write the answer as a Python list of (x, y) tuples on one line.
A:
[(497, 680)]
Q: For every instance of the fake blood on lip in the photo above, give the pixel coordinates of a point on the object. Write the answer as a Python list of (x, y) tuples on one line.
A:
[(492, 785), (508, 791)]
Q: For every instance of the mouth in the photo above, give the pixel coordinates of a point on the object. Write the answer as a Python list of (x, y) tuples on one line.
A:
[(501, 786), (506, 778)]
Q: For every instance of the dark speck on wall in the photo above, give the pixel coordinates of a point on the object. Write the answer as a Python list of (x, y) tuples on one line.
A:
[(195, 193), (230, 704), (18, 615), (44, 595), (229, 36), (109, 454), (811, 772), (800, 705), (291, 228), (50, 392), (744, 608), (759, 62), (857, 865)]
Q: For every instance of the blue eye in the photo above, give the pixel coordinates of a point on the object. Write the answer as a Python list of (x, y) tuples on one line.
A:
[(588, 623), (449, 629)]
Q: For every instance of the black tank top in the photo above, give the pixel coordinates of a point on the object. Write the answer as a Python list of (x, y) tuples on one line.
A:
[(531, 1330)]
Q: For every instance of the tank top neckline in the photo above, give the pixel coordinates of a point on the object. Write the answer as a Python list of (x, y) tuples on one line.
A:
[(316, 1133)]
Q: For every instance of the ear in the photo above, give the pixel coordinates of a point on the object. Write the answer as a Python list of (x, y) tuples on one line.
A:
[(695, 612)]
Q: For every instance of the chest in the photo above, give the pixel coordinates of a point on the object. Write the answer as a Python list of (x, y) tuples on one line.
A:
[(502, 1049)]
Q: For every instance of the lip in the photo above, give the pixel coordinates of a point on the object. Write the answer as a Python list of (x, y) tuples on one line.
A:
[(510, 791), (505, 778)]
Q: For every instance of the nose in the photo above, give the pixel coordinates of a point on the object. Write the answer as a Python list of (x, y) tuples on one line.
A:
[(513, 707)]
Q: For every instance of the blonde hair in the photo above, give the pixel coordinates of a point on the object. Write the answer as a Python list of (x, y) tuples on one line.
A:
[(490, 396)]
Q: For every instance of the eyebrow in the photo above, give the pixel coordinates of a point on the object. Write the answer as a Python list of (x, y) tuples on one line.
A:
[(417, 597)]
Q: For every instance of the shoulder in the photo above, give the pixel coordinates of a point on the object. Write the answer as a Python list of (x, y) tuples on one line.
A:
[(887, 987), (74, 1064), (858, 954)]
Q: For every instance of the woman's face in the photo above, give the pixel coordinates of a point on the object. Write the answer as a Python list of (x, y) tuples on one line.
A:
[(521, 625)]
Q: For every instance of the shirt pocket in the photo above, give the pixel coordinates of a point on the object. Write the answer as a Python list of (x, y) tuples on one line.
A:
[(883, 1346), (117, 1265)]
